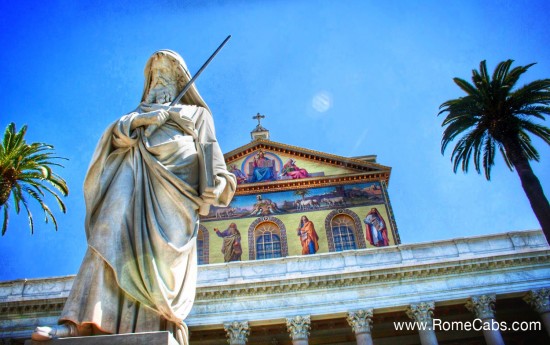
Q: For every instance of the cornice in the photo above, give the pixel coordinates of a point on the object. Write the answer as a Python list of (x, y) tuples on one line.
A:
[(382, 275), (38, 308), (314, 182)]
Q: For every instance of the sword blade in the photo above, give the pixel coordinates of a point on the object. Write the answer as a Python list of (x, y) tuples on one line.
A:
[(188, 85)]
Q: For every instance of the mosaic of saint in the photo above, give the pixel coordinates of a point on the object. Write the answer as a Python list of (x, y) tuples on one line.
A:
[(231, 246), (376, 231), (265, 166), (308, 236)]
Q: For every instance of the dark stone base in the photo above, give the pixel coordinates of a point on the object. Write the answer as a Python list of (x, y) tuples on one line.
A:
[(149, 338)]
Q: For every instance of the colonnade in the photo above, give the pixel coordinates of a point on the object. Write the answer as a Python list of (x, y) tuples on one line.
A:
[(481, 306)]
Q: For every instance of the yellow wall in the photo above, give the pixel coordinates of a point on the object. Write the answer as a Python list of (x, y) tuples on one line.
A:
[(291, 222)]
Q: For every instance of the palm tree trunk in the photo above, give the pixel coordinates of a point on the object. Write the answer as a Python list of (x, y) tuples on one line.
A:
[(4, 192), (7, 180), (532, 187)]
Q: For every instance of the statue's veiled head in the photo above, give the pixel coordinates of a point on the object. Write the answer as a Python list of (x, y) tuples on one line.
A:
[(166, 74)]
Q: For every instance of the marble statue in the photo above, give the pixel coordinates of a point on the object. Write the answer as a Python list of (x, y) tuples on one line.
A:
[(154, 170)]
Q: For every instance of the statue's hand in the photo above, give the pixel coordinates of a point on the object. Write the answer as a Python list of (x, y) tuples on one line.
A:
[(211, 194), (152, 119), (156, 117)]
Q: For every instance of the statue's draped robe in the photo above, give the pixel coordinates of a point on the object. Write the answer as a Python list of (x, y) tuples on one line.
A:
[(139, 272)]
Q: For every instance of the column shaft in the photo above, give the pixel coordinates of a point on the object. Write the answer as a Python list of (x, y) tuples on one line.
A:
[(364, 339), (300, 342), (546, 321), (422, 313), (492, 336), (427, 337), (483, 307)]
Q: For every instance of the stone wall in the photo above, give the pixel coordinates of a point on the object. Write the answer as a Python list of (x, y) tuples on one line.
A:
[(325, 285)]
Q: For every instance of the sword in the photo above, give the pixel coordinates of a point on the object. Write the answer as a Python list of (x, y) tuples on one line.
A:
[(152, 128), (182, 93)]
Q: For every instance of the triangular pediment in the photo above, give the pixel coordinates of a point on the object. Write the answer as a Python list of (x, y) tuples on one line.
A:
[(269, 162)]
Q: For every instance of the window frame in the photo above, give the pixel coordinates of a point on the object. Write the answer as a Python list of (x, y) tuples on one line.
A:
[(360, 241), (252, 236)]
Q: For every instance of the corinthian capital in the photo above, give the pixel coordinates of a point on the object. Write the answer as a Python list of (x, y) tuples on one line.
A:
[(298, 327), (483, 306), (539, 300), (360, 320), (237, 332), (421, 312)]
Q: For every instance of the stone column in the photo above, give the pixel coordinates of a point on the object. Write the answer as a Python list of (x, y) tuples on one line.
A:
[(298, 327), (483, 307), (237, 332), (361, 323), (540, 301), (422, 314)]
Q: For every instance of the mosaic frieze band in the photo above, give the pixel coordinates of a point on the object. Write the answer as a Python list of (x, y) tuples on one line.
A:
[(354, 216)]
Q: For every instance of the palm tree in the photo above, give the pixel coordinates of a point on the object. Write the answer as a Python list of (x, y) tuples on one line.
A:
[(23, 170), (493, 116)]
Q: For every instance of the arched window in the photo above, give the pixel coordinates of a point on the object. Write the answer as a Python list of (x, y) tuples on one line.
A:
[(268, 241), (267, 238), (344, 231), (202, 246)]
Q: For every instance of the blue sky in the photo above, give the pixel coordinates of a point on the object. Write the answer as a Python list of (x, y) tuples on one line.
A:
[(344, 77)]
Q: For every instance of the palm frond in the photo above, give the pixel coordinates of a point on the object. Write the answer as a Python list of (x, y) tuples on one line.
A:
[(467, 87), (465, 148), (492, 114), (13, 139), (488, 156), (514, 75), (44, 207), (48, 213), (59, 183), (527, 148), (38, 188), (29, 214), (29, 166), (529, 95), (539, 130), (5, 220), (16, 193), (536, 111), (456, 128), (501, 71), (505, 157)]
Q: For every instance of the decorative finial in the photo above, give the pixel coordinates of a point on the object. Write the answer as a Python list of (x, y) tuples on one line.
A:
[(259, 132)]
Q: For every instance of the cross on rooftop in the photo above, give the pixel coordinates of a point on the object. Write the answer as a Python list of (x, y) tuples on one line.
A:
[(259, 118), (259, 132)]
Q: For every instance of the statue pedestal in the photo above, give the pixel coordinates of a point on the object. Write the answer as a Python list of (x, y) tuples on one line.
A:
[(149, 338)]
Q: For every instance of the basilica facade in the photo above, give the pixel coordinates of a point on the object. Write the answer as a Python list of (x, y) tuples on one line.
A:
[(308, 252)]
